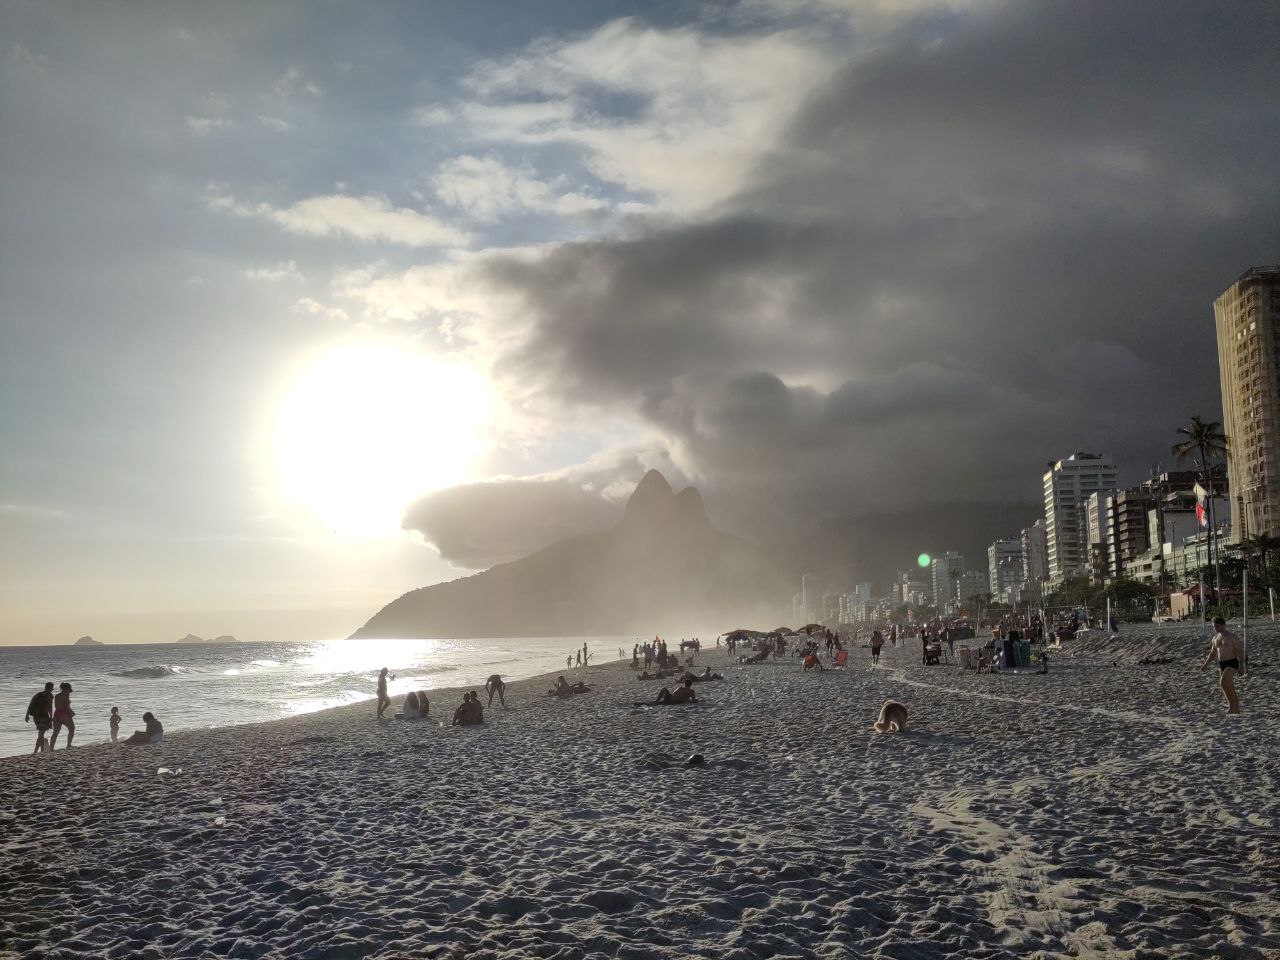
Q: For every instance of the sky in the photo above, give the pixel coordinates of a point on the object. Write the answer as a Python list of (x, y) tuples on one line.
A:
[(304, 305)]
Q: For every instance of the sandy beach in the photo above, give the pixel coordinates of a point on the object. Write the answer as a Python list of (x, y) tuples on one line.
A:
[(1108, 809)]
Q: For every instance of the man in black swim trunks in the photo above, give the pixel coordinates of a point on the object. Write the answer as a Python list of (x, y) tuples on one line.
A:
[(40, 709), (1228, 649)]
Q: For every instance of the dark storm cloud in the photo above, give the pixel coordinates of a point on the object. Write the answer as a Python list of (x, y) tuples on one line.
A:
[(983, 245)]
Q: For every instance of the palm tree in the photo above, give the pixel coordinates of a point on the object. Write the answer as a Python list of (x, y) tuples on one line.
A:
[(1206, 439)]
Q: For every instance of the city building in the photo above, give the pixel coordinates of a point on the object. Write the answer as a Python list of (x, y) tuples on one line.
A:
[(1067, 485), (946, 572), (1004, 566), (1035, 560), (972, 585), (810, 598), (863, 592), (1247, 317)]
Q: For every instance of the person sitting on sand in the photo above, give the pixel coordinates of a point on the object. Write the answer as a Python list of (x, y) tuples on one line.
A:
[(495, 685), (469, 712), (811, 662), (384, 701), (1228, 649), (565, 689), (416, 705), (152, 735), (893, 718)]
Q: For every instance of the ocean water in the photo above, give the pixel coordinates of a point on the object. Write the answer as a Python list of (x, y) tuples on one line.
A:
[(202, 685)]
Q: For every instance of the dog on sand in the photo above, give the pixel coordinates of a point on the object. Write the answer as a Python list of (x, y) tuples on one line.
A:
[(893, 717)]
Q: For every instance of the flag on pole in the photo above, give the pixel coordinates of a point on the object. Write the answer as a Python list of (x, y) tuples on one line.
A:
[(1202, 513)]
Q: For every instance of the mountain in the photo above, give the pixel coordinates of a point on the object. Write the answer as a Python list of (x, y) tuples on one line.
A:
[(88, 642), (663, 567)]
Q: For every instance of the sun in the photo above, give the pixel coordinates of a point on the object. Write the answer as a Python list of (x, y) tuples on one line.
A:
[(364, 428)]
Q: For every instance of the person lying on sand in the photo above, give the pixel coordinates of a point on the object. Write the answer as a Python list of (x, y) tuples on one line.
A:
[(153, 734), (469, 712), (565, 689), (495, 685), (705, 675), (893, 718), (683, 694)]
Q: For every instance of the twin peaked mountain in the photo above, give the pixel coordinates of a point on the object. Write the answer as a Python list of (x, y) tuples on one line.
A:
[(663, 567)]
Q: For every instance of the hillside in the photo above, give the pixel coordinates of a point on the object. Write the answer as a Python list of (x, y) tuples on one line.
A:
[(663, 567)]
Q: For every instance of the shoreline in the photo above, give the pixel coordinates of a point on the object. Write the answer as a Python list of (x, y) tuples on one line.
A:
[(338, 712), (1022, 815)]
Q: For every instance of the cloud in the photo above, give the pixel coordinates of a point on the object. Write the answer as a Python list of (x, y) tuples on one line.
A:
[(366, 218), (292, 82), (28, 60), (317, 309), (979, 243), (285, 270), (488, 189), (477, 525), (274, 124), (675, 113), (206, 126)]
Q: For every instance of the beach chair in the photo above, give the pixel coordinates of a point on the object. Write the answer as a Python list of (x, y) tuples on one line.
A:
[(841, 660)]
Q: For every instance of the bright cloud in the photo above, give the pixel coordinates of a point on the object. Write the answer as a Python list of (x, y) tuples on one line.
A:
[(366, 218), (486, 188), (286, 270), (701, 110)]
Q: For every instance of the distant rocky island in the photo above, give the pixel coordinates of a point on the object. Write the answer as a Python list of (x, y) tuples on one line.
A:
[(88, 642), (664, 566), (192, 638)]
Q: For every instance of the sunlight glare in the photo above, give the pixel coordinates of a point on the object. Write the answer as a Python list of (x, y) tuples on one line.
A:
[(365, 428)]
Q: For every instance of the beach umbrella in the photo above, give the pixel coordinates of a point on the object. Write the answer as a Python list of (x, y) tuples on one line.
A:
[(783, 631), (809, 628)]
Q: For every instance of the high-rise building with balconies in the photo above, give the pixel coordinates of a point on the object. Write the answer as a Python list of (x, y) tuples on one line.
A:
[(1247, 316)]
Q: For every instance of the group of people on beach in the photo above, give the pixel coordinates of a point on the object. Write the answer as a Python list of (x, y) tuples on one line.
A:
[(51, 713)]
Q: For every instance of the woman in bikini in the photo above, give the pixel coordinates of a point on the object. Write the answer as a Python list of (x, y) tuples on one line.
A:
[(63, 715), (1228, 649)]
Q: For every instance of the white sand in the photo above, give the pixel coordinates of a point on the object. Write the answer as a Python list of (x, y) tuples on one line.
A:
[(1096, 812)]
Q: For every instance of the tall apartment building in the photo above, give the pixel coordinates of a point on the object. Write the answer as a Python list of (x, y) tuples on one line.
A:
[(1035, 558), (1247, 316), (811, 597), (1067, 485), (947, 571), (1127, 522), (1004, 567)]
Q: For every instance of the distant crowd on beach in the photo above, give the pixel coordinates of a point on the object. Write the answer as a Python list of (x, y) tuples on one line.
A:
[(51, 713)]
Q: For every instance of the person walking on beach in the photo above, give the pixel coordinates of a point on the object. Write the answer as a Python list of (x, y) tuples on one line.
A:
[(40, 709), (579, 663), (1228, 649), (115, 724), (63, 716), (877, 641), (384, 701)]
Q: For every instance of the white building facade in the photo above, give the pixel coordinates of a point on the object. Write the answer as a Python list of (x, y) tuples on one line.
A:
[(1067, 485)]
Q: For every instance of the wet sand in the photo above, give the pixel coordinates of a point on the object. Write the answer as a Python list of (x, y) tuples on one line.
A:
[(1100, 811)]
